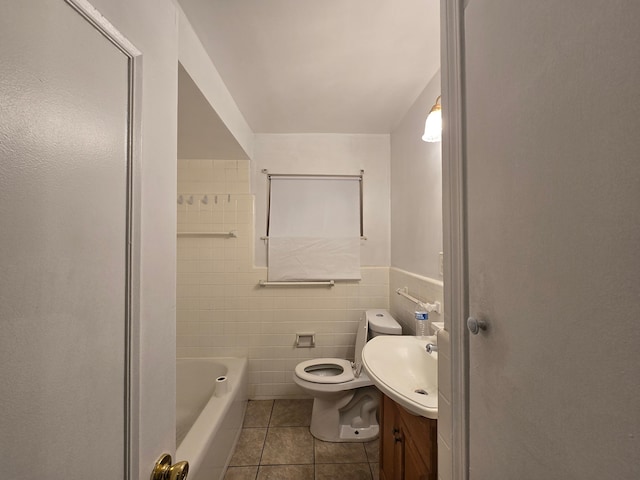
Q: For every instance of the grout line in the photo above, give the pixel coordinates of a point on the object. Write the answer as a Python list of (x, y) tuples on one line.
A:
[(273, 406), (314, 452), (265, 437)]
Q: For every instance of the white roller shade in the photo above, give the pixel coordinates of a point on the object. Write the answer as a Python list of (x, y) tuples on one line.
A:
[(314, 207), (314, 228)]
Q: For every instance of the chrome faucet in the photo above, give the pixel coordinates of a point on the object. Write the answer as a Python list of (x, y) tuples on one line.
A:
[(431, 347)]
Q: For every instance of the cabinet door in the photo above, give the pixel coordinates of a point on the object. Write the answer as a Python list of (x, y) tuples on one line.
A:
[(386, 439), (391, 454), (414, 466), (420, 436), (408, 448), (398, 455)]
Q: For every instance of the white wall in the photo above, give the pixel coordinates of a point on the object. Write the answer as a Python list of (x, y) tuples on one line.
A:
[(329, 154), (204, 74), (416, 191), (416, 211)]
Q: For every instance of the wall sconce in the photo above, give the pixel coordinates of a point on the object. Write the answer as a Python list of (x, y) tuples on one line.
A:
[(433, 124)]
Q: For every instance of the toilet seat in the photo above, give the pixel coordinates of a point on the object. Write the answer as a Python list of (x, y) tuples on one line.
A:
[(327, 370)]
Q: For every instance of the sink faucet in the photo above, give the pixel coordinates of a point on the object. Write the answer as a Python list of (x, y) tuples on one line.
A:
[(431, 347)]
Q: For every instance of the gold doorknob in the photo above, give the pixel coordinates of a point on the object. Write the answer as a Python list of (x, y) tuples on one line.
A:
[(163, 470)]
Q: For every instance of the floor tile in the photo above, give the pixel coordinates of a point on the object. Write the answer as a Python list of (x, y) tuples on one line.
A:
[(286, 472), (373, 450), (328, 452), (275, 444), (291, 413), (350, 471), (375, 470), (241, 473), (288, 445), (249, 447), (258, 413)]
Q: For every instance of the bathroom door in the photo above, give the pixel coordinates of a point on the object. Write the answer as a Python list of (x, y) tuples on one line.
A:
[(553, 230), (67, 274)]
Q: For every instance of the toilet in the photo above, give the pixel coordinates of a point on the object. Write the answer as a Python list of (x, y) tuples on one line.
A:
[(345, 402)]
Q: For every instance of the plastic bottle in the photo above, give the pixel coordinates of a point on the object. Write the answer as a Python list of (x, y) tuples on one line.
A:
[(421, 324)]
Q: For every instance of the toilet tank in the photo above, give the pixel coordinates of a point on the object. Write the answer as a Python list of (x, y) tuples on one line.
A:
[(382, 323), (374, 323)]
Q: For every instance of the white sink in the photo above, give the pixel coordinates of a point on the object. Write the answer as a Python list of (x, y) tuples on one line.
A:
[(403, 370)]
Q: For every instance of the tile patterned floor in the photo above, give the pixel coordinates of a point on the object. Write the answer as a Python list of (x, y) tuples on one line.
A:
[(275, 444)]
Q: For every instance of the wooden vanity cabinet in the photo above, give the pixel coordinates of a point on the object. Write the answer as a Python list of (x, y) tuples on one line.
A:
[(408, 444)]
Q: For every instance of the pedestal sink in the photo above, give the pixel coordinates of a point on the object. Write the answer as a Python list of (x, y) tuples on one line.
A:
[(403, 370)]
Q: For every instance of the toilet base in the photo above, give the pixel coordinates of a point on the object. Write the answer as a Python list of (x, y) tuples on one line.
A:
[(349, 416), (351, 434)]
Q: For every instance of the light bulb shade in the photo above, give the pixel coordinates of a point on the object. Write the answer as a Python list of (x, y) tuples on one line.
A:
[(433, 124), (433, 127)]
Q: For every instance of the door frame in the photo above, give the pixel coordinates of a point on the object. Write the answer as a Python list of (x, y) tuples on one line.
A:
[(454, 225), (131, 399)]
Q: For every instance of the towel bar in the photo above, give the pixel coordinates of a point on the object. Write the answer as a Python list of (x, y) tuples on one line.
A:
[(429, 307), (230, 234), (322, 283)]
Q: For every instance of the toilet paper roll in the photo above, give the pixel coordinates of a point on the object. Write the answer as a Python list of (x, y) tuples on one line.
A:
[(222, 386)]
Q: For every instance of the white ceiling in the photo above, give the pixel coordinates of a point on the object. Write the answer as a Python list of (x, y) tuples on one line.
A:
[(320, 66)]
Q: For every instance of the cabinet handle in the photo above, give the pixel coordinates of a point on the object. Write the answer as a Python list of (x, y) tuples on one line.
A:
[(396, 431)]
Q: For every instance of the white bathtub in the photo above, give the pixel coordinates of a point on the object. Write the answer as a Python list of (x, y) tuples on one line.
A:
[(208, 423)]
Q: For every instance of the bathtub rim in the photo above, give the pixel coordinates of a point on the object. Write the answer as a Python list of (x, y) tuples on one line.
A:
[(198, 440)]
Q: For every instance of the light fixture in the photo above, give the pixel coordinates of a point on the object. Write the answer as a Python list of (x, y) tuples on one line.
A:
[(433, 124)]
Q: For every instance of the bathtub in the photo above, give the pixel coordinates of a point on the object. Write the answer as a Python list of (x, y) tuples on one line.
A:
[(211, 398)]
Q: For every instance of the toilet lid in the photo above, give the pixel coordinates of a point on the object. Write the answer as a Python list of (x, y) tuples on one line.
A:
[(325, 370)]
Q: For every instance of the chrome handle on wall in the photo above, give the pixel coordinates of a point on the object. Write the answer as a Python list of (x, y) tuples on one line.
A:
[(474, 325), (163, 470)]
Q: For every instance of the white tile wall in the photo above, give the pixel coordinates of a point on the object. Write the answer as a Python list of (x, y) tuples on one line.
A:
[(445, 424), (221, 176), (422, 288), (221, 310)]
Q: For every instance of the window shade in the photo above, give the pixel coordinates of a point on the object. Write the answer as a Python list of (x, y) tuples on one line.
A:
[(314, 228), (314, 207)]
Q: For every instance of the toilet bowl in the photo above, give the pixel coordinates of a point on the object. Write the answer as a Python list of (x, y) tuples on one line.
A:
[(345, 402)]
